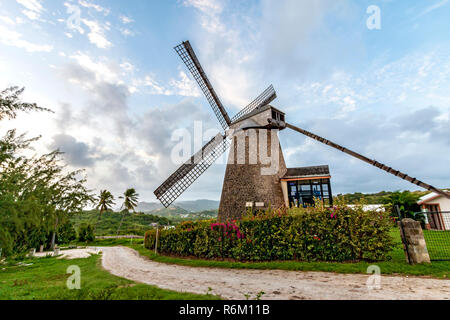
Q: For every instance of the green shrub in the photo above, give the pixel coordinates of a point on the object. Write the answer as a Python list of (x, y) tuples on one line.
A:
[(309, 234), (66, 233), (86, 233)]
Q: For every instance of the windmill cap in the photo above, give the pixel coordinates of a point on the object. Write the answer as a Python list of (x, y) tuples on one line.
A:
[(257, 111)]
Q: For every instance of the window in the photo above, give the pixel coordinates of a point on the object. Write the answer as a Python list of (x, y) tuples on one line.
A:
[(303, 192), (277, 116)]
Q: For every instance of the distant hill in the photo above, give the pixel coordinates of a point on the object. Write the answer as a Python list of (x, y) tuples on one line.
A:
[(168, 212), (179, 207), (198, 205), (148, 206)]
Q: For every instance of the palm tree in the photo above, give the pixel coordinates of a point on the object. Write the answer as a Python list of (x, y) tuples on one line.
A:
[(130, 201), (105, 201)]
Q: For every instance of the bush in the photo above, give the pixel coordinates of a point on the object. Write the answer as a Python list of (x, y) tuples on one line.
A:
[(66, 233), (309, 234), (86, 233)]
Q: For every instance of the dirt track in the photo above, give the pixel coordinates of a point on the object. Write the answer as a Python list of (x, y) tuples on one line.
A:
[(277, 284)]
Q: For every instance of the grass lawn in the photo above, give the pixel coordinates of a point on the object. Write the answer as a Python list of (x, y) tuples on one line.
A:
[(108, 243), (438, 243), (397, 265), (46, 279)]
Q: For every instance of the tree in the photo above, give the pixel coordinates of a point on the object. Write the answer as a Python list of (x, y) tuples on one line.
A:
[(10, 103), (37, 194), (105, 201), (130, 201), (406, 202)]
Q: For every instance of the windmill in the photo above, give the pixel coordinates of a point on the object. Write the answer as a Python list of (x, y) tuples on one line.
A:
[(244, 185)]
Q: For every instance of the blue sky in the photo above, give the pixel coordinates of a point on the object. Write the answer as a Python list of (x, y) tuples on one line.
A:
[(119, 90)]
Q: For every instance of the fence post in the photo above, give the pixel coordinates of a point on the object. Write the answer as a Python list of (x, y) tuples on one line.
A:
[(156, 240), (413, 240), (402, 234)]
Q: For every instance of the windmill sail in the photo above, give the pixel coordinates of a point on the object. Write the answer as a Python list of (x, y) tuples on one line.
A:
[(264, 98), (188, 56), (369, 161), (189, 171)]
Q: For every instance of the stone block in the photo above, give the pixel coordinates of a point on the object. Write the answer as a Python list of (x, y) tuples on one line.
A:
[(413, 241)]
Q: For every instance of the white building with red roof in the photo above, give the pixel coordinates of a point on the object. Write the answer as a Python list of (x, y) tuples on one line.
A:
[(439, 210)]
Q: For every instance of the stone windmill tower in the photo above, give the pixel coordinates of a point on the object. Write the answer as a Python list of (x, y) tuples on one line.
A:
[(255, 168), (255, 164)]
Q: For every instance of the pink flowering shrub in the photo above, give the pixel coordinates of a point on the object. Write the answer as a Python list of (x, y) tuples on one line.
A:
[(316, 233)]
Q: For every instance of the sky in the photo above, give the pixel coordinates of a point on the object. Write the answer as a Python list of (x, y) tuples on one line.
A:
[(119, 91)]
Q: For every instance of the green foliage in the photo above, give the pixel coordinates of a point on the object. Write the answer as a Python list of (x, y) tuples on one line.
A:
[(66, 233), (382, 197), (130, 199), (105, 201), (37, 194), (132, 224), (86, 233), (406, 201), (308, 234), (10, 103)]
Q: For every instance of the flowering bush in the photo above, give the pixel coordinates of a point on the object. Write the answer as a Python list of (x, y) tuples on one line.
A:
[(317, 233)]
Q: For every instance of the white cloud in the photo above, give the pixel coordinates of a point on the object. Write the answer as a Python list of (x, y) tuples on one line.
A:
[(127, 67), (152, 86), (127, 32), (97, 34), (32, 15), (205, 5), (103, 70), (433, 7), (33, 8), (224, 52), (14, 39), (185, 86), (415, 80), (7, 20), (125, 19), (94, 6), (32, 5), (210, 11)]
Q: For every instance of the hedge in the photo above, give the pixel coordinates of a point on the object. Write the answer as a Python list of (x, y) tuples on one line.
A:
[(308, 234)]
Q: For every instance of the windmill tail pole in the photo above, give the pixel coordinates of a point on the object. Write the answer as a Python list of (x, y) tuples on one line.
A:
[(370, 161)]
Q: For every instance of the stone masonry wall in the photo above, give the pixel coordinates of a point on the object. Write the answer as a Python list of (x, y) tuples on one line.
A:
[(414, 241), (244, 183)]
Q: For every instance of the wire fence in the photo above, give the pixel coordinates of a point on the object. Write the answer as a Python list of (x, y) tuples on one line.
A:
[(436, 231)]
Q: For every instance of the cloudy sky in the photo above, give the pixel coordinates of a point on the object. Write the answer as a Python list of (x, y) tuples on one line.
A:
[(119, 91)]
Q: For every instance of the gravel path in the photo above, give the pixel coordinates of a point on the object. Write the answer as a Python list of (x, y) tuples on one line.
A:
[(277, 284), (70, 254)]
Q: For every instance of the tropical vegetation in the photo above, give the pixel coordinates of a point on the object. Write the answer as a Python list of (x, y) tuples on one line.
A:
[(130, 202), (37, 194), (340, 233), (132, 224), (105, 202)]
